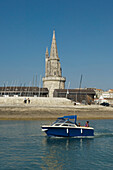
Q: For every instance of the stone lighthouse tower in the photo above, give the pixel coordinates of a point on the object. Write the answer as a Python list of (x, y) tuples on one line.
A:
[(53, 73)]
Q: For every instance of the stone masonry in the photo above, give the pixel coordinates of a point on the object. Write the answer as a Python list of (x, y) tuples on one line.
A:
[(53, 73)]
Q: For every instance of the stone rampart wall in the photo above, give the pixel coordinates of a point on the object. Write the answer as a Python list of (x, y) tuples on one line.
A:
[(38, 101)]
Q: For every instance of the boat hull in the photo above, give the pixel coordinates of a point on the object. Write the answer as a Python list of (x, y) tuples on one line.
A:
[(68, 132)]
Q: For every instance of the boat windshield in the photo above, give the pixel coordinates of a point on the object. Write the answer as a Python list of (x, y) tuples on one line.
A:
[(59, 121), (62, 122)]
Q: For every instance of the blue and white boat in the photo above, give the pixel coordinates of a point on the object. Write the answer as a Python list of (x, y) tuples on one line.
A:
[(64, 127)]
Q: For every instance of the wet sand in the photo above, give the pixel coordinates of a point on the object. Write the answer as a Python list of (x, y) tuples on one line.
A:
[(30, 112)]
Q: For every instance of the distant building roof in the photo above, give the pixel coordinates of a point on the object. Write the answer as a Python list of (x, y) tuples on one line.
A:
[(99, 90), (110, 90), (19, 88), (88, 90)]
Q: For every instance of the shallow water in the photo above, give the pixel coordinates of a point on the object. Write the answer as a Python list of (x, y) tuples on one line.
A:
[(24, 146)]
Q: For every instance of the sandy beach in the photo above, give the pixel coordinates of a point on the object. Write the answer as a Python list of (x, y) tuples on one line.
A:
[(30, 112)]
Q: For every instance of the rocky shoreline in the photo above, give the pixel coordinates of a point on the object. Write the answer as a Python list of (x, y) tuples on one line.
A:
[(31, 112)]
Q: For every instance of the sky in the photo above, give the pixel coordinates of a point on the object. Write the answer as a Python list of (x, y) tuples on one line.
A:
[(84, 36)]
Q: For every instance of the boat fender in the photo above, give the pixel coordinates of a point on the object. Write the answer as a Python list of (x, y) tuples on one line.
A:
[(81, 131), (67, 131)]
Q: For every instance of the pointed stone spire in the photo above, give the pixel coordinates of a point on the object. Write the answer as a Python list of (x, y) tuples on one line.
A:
[(54, 53), (47, 53), (54, 35)]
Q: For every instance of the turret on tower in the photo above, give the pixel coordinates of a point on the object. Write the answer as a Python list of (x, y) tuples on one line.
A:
[(53, 75), (47, 54)]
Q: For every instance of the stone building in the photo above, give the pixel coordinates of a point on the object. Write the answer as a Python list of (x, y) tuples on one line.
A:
[(85, 96), (18, 91), (53, 73)]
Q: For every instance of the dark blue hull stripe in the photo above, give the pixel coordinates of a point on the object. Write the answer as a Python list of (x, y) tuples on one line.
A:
[(68, 132)]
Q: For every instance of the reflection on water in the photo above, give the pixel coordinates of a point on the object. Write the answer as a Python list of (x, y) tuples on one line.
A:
[(66, 143), (60, 148)]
